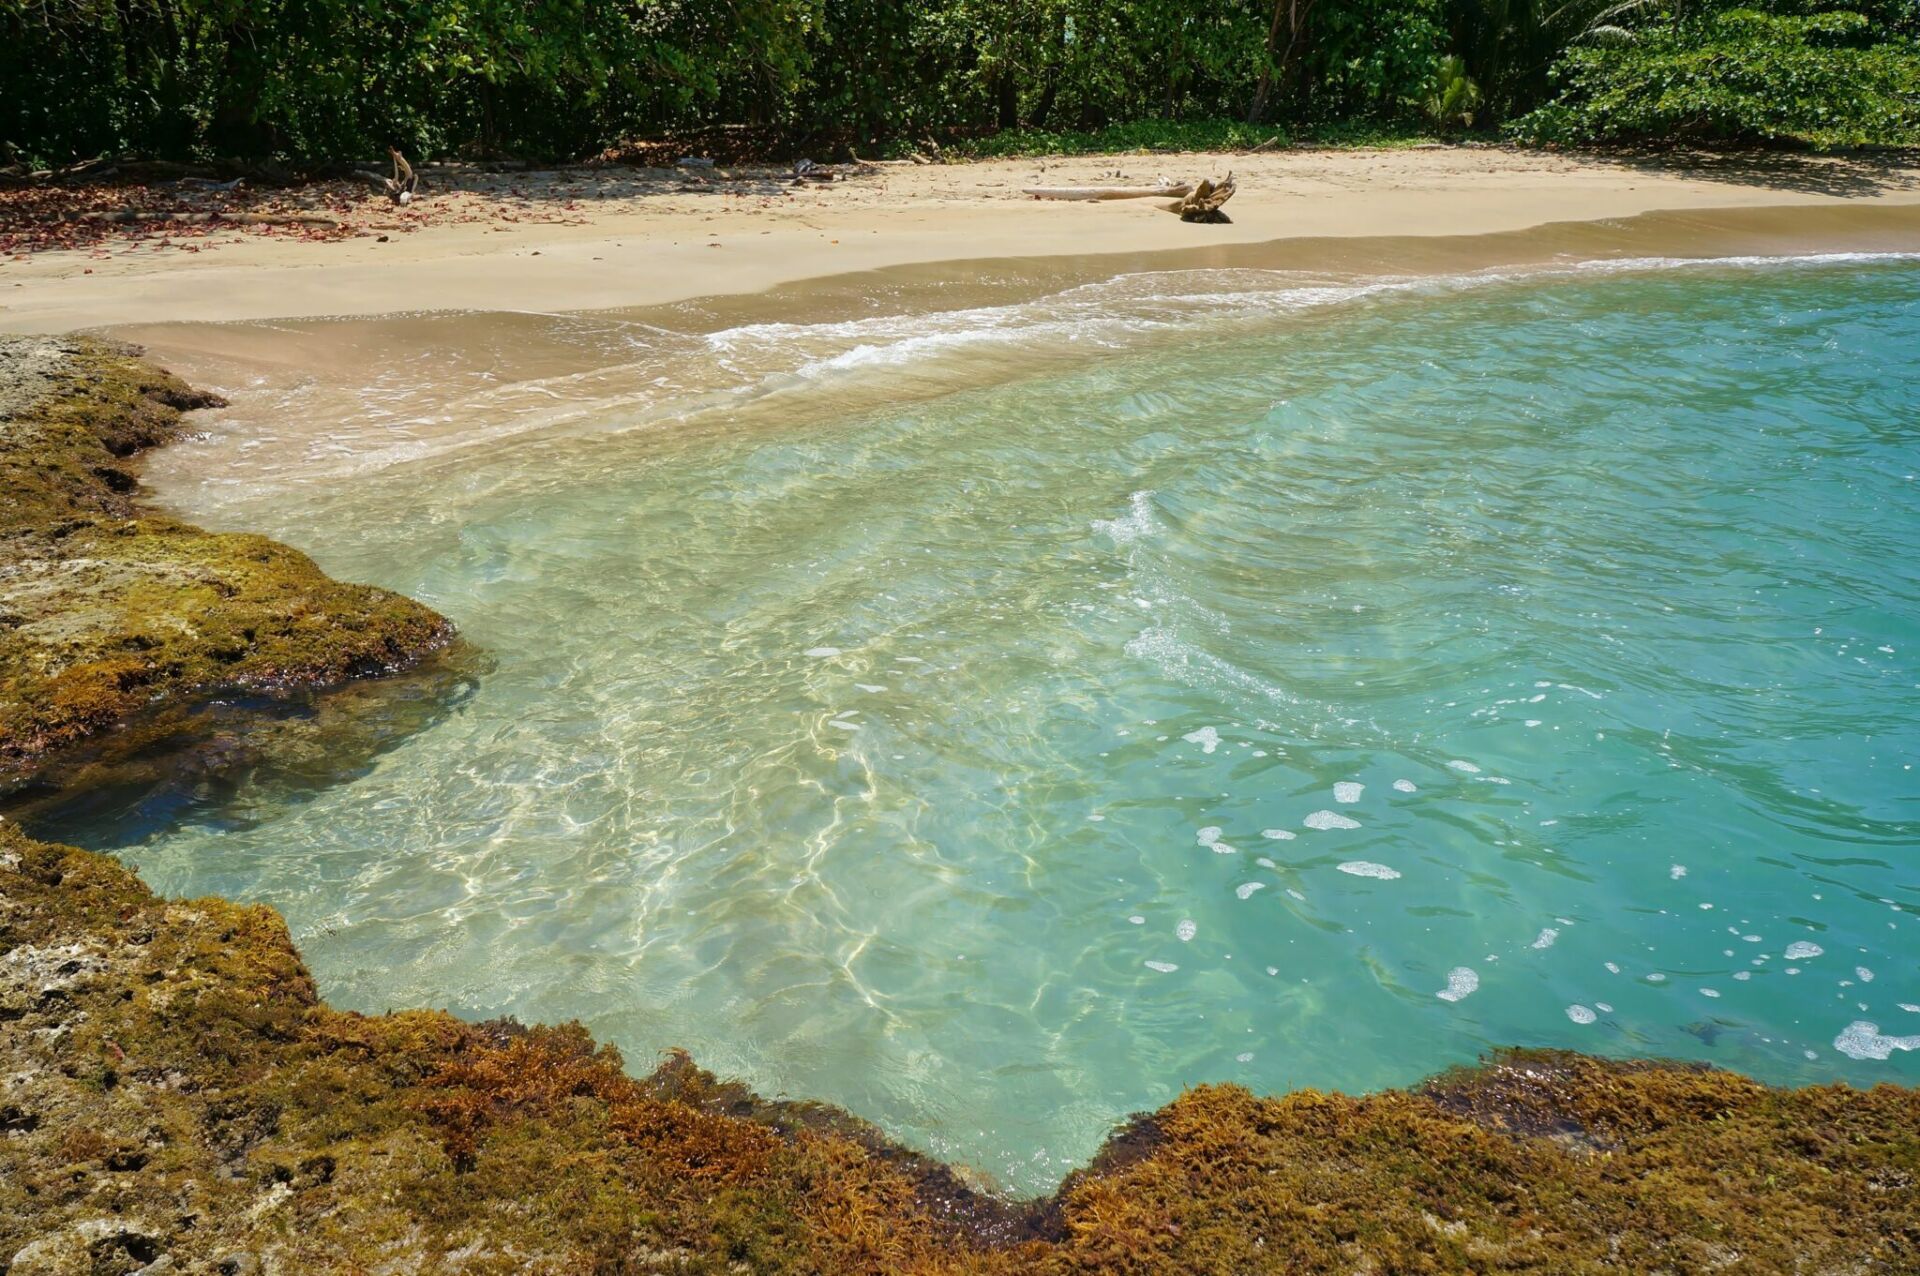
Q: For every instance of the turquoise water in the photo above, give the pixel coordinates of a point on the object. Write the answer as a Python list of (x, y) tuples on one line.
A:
[(996, 721)]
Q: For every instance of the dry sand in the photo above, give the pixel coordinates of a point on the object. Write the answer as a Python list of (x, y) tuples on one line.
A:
[(597, 239)]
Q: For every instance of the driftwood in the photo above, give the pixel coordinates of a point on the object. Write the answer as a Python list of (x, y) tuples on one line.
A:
[(1197, 203), (238, 219), (404, 182), (1089, 193), (1202, 203), (401, 186)]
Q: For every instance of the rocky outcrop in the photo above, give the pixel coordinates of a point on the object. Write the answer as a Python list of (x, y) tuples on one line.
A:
[(110, 611), (175, 1097)]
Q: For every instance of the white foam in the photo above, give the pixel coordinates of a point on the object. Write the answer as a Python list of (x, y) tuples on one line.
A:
[(1677, 872), (1208, 835), (1325, 820), (1246, 1056), (1246, 889), (1278, 835), (1801, 950), (1864, 1040), (1186, 930), (1137, 920), (1367, 868), (1348, 791), (1208, 738), (1709, 992), (1164, 967), (1136, 523), (1405, 786), (1910, 1007), (1465, 768), (1545, 938), (1581, 1014), (1183, 661), (1866, 976), (1462, 982)]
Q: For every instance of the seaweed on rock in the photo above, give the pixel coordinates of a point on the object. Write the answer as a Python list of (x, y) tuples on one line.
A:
[(168, 1076), (108, 609)]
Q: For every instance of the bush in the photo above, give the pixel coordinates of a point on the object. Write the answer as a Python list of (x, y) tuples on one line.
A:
[(1822, 80)]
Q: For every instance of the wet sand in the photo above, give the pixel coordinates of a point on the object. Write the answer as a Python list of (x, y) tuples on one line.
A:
[(940, 235)]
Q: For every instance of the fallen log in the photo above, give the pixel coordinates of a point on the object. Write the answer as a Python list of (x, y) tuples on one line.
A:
[(240, 219), (1105, 192)]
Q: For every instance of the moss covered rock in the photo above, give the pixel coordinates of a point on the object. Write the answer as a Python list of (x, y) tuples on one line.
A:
[(108, 609), (172, 1087)]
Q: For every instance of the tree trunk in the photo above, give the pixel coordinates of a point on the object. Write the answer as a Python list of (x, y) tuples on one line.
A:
[(1044, 107), (1283, 43)]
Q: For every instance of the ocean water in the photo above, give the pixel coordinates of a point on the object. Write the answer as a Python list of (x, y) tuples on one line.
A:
[(998, 720)]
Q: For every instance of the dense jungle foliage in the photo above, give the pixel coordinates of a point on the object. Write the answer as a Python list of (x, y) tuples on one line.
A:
[(309, 80)]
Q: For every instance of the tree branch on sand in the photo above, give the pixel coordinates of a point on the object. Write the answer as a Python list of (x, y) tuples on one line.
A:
[(1202, 203), (402, 186), (1194, 203)]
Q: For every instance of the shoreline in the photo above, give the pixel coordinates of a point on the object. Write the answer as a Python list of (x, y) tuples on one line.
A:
[(749, 235)]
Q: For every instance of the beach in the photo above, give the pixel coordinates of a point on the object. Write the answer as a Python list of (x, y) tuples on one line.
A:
[(595, 239), (1003, 684)]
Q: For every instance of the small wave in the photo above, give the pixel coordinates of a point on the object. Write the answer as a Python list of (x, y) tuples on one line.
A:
[(1137, 523)]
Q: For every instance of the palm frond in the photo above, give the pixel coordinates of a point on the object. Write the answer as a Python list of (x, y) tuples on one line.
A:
[(1589, 14), (1607, 34)]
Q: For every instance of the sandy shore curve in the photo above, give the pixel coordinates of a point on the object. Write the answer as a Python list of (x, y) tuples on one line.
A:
[(637, 238)]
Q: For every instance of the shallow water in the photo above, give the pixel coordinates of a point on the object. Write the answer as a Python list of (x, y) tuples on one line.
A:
[(996, 721)]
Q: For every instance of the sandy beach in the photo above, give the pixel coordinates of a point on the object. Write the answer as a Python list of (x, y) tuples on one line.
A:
[(586, 239)]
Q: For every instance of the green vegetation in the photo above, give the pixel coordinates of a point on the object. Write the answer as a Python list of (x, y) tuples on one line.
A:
[(112, 610), (1185, 135), (314, 81), (1822, 79)]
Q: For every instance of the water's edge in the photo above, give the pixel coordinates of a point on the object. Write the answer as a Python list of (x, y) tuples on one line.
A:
[(477, 1119)]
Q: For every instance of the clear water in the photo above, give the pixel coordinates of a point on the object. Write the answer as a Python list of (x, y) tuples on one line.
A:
[(996, 721)]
